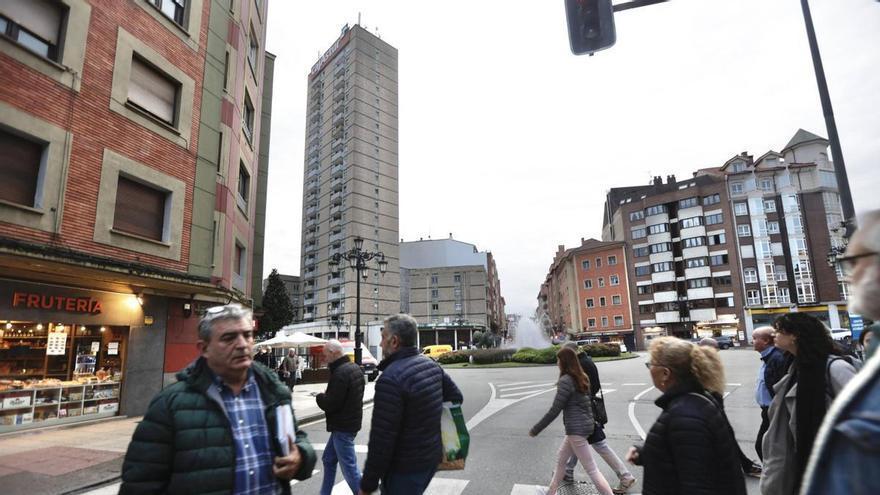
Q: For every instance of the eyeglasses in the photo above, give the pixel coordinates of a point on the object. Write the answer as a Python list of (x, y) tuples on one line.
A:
[(848, 263), (648, 365)]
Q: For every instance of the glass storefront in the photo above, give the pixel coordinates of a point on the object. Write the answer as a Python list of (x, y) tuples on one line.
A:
[(58, 372)]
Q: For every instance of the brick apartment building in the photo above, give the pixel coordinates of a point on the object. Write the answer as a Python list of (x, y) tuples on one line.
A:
[(131, 158), (585, 294)]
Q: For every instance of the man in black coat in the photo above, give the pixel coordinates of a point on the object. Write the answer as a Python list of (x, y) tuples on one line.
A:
[(405, 446), (343, 404)]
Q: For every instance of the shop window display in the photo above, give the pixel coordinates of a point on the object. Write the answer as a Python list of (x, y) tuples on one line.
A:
[(57, 372)]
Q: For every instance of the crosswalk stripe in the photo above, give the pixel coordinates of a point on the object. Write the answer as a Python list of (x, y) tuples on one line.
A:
[(505, 388), (446, 486), (634, 384), (513, 383), (518, 394), (358, 449), (316, 471), (525, 489)]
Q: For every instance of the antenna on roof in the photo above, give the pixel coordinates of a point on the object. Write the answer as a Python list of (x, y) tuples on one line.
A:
[(359, 18)]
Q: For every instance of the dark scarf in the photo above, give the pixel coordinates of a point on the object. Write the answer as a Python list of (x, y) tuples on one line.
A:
[(811, 408)]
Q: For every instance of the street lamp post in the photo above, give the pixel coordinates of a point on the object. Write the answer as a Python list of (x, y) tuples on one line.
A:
[(357, 259)]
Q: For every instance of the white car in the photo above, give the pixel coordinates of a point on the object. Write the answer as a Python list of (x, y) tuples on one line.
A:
[(841, 334)]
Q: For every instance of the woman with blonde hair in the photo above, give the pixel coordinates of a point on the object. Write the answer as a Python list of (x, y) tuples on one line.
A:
[(690, 448), (573, 400)]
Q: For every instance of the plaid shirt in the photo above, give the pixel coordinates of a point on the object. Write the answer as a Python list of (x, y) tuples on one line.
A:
[(250, 435)]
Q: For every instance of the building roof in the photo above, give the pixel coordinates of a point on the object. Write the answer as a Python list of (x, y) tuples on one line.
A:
[(438, 253), (801, 137)]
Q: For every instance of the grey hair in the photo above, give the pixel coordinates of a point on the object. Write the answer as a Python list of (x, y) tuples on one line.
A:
[(333, 346), (571, 345), (218, 313), (405, 327), (869, 230), (766, 331)]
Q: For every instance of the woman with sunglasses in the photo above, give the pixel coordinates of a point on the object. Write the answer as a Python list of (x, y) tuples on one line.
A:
[(690, 449), (803, 395), (573, 400)]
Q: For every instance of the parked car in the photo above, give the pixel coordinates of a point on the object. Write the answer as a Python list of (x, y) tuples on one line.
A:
[(843, 335), (435, 351), (369, 365), (724, 342)]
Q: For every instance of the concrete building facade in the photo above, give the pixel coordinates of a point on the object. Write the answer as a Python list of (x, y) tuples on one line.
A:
[(350, 178)]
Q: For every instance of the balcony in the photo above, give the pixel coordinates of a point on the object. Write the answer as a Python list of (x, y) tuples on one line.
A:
[(309, 301), (311, 209), (336, 280), (667, 317), (703, 315), (335, 296), (335, 209), (338, 118), (337, 155), (308, 316), (701, 293), (313, 172), (665, 296), (340, 68), (338, 96), (339, 82), (337, 132), (336, 182), (334, 311), (335, 197), (336, 144), (337, 237)]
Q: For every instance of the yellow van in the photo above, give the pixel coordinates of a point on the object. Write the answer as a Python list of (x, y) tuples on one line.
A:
[(435, 351)]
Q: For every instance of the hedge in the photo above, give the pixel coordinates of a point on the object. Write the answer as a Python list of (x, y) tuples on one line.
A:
[(546, 355)]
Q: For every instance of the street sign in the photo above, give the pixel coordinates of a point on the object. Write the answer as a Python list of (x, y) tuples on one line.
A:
[(856, 325)]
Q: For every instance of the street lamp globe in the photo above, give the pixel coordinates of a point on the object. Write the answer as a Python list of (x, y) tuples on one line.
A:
[(358, 243), (383, 265)]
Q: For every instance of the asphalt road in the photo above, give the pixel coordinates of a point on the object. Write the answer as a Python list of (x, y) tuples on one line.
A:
[(502, 404)]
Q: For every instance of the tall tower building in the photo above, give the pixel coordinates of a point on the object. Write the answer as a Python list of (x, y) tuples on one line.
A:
[(350, 178)]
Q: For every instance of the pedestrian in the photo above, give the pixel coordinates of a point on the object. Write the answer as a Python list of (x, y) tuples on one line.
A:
[(597, 439), (845, 456), (217, 429), (573, 400), (288, 369), (343, 403), (709, 342), (405, 447), (264, 357), (774, 365), (817, 374), (691, 448), (865, 340)]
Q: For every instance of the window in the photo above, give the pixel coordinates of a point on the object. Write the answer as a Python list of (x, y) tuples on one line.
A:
[(698, 283), (248, 117), (643, 289), (636, 215), (781, 273), (750, 275), (753, 297), (602, 301), (643, 270), (34, 25), (585, 264), (691, 222), (769, 205), (435, 307), (20, 163), (688, 202), (614, 280), (435, 293), (591, 322), (773, 227), (612, 260), (458, 307), (646, 309), (238, 264), (712, 199), (615, 300), (737, 167), (661, 247), (152, 91), (743, 230), (590, 303), (693, 242), (601, 281), (658, 229), (740, 209), (696, 262), (253, 51), (640, 251), (724, 302), (588, 284), (766, 184), (655, 210), (718, 259), (598, 262), (244, 186), (618, 321), (722, 280), (434, 279), (456, 278), (456, 292), (784, 295), (666, 266), (714, 219), (639, 233), (716, 239), (140, 209), (736, 188), (173, 9)]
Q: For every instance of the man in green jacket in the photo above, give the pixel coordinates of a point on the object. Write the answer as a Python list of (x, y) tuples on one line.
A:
[(226, 426)]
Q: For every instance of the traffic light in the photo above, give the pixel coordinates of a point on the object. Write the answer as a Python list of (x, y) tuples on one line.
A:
[(590, 25)]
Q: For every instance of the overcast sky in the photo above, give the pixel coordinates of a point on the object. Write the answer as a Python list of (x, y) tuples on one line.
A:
[(510, 142)]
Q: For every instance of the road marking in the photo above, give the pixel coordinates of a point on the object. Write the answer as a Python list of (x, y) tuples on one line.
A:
[(513, 383), (446, 486), (525, 489), (507, 389), (105, 490), (316, 471), (358, 449), (494, 405), (639, 384), (734, 384), (632, 412)]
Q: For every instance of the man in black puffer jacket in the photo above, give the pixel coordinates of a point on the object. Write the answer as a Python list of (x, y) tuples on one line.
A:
[(405, 446), (343, 404)]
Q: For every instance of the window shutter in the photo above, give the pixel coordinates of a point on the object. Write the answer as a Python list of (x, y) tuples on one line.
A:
[(41, 17), (19, 169), (140, 209), (236, 267), (152, 91)]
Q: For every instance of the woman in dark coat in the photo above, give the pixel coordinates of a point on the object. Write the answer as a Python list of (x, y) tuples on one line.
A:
[(690, 449), (573, 400)]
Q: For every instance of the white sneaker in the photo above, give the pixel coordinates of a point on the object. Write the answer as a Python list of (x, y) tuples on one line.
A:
[(625, 484)]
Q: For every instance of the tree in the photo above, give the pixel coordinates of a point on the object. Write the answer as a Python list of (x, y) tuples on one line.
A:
[(277, 308)]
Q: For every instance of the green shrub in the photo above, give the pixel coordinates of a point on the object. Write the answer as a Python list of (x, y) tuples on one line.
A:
[(539, 356), (454, 357), (490, 356), (602, 350)]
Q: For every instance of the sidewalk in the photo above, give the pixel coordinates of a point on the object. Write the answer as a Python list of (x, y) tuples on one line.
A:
[(69, 459)]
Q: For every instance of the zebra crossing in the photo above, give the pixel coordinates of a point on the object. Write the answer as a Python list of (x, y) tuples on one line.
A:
[(454, 486)]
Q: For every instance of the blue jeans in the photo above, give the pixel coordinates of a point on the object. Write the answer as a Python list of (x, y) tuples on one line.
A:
[(406, 483), (340, 448)]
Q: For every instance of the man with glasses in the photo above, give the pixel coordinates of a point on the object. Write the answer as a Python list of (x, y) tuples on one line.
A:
[(225, 427), (845, 454)]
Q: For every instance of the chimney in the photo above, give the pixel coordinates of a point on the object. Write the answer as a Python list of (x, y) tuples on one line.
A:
[(658, 180), (670, 179)]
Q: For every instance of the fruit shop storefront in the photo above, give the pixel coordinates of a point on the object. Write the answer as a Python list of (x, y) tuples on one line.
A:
[(64, 353)]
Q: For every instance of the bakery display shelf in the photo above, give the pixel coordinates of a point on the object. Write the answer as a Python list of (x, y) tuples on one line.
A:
[(46, 404), (18, 408)]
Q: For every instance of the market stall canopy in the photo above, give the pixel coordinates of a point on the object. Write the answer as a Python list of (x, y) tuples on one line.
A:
[(296, 339)]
